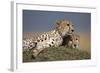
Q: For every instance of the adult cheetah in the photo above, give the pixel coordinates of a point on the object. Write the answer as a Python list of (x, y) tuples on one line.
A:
[(49, 39)]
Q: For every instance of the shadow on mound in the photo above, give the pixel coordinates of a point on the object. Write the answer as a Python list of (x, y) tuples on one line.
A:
[(57, 54)]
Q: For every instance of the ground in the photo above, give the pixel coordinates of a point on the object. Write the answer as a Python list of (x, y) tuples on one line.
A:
[(57, 54)]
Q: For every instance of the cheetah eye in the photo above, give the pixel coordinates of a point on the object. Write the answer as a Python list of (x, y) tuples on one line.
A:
[(67, 24), (70, 40)]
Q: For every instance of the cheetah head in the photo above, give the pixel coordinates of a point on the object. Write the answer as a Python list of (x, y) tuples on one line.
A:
[(64, 27), (76, 41)]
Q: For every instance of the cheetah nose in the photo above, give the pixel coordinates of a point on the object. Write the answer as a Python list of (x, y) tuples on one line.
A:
[(72, 30)]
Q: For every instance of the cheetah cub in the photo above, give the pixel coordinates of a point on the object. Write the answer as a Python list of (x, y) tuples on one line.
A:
[(71, 41)]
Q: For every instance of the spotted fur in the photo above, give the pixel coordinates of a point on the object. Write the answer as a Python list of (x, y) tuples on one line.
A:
[(71, 41), (51, 38)]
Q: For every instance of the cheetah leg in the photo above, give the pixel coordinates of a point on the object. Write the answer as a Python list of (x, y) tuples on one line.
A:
[(36, 52)]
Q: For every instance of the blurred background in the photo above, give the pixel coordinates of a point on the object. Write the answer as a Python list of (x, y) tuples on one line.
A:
[(43, 21)]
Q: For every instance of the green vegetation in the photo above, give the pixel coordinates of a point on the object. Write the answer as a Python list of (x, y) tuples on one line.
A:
[(57, 54)]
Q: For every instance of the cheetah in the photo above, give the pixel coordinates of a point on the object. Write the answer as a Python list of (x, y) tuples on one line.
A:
[(51, 38), (71, 41)]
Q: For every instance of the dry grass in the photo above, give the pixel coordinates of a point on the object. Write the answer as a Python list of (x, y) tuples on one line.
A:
[(61, 53), (57, 54)]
